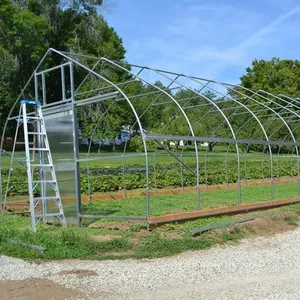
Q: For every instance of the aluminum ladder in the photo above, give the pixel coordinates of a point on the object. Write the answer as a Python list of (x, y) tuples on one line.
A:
[(39, 165)]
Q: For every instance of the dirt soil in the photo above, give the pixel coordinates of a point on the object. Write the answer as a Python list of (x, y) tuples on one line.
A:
[(37, 289), (268, 226)]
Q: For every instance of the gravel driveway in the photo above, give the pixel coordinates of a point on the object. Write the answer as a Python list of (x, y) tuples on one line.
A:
[(257, 268)]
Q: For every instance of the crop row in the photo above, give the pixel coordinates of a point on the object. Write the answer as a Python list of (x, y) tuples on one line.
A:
[(172, 175)]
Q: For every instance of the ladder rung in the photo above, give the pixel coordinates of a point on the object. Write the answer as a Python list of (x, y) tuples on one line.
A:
[(35, 165), (46, 198), (23, 143), (39, 149), (49, 215)]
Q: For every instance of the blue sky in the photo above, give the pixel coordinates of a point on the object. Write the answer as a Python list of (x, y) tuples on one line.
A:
[(212, 39)]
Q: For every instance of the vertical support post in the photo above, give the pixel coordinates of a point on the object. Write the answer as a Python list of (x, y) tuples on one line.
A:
[(181, 174), (63, 83), (226, 166), (262, 166), (154, 170), (75, 147), (205, 170), (44, 89), (239, 184), (245, 163), (36, 87), (197, 176), (147, 181), (272, 175), (298, 170), (124, 177)]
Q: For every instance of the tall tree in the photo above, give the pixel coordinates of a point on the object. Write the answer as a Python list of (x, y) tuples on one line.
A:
[(275, 76), (29, 27)]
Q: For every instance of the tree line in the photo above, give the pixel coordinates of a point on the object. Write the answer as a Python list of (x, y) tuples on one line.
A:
[(29, 27)]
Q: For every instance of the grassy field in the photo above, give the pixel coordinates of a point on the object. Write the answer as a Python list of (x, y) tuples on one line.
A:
[(165, 204), (111, 239)]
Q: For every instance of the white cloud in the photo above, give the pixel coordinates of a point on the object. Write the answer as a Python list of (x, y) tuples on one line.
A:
[(272, 27), (207, 39)]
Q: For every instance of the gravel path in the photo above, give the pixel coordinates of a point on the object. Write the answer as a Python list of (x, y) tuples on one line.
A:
[(259, 268)]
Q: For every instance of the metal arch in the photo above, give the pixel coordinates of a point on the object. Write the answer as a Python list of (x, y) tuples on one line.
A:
[(281, 106), (267, 138), (97, 124), (288, 127), (183, 113), (280, 117), (285, 108), (285, 117), (277, 114), (196, 79), (227, 121), (188, 99), (239, 103), (290, 98), (145, 110), (134, 112), (231, 99), (269, 146), (142, 114)]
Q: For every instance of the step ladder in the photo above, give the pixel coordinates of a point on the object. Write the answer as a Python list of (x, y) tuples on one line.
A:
[(42, 182)]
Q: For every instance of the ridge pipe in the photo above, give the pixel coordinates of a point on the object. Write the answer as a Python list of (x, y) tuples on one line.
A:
[(216, 139)]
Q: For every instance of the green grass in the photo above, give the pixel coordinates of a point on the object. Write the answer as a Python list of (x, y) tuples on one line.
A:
[(74, 242), (129, 239), (170, 239), (160, 205)]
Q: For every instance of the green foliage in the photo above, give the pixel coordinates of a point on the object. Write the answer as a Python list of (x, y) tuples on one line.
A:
[(136, 144), (60, 243), (156, 245), (80, 242), (232, 234), (165, 204), (29, 28), (292, 220), (166, 175), (275, 76)]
